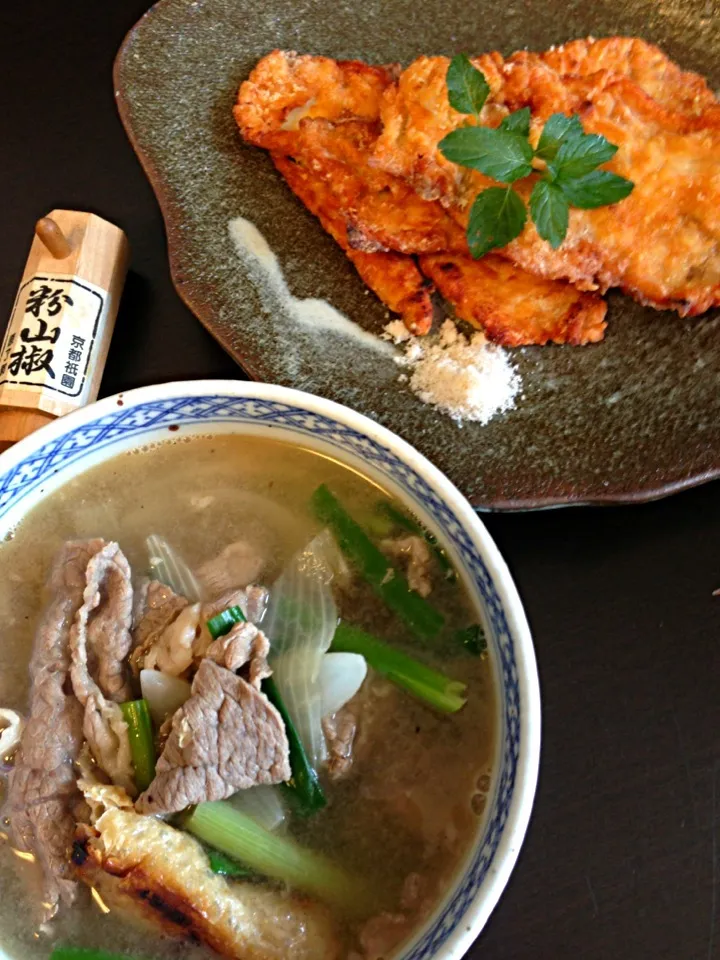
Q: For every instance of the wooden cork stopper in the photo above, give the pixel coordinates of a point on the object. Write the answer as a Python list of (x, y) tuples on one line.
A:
[(53, 238)]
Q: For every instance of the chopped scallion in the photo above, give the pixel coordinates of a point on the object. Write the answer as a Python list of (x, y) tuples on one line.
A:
[(224, 621), (389, 584), (281, 858), (423, 682), (142, 743), (304, 789), (226, 866), (473, 639)]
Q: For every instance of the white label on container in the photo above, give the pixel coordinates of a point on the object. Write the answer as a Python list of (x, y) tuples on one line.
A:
[(51, 337)]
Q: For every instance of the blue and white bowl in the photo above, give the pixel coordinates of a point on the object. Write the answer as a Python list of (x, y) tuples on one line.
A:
[(38, 465)]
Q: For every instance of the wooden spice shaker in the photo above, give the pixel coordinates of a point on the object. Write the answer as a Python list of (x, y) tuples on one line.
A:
[(56, 343)]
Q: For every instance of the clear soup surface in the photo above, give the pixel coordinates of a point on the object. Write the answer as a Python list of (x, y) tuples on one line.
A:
[(409, 807)]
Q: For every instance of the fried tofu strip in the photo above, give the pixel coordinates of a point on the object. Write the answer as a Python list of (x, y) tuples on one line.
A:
[(370, 213), (394, 277), (661, 244), (161, 875), (541, 311)]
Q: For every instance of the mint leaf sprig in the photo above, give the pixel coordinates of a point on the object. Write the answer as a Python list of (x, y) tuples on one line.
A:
[(566, 158)]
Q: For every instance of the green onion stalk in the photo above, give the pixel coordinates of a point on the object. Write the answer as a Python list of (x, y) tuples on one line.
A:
[(388, 583), (431, 686), (142, 743), (224, 828)]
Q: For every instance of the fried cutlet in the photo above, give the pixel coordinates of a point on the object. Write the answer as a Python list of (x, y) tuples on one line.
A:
[(643, 63), (395, 278), (543, 311), (661, 244), (371, 214), (142, 866)]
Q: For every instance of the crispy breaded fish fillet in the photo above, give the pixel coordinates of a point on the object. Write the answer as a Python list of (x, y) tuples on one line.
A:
[(543, 311), (286, 88), (285, 107), (513, 307), (160, 874), (322, 112), (661, 244), (393, 277), (369, 212), (643, 63)]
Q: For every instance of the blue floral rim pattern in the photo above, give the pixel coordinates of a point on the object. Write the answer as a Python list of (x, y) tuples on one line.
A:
[(127, 422)]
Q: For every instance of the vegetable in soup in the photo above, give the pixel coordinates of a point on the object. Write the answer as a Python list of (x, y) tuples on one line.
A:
[(245, 701)]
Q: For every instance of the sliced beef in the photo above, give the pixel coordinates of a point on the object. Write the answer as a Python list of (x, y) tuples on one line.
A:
[(244, 647), (252, 601), (161, 607), (42, 790), (239, 564), (414, 895), (226, 737), (100, 630), (172, 634), (108, 601), (381, 934), (161, 737), (340, 729), (415, 553)]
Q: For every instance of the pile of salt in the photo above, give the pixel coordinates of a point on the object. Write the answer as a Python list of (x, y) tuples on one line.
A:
[(467, 378)]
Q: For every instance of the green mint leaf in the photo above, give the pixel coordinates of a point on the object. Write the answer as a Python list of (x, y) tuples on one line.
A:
[(498, 154), (558, 128), (517, 122), (466, 85), (581, 155), (497, 217), (597, 189), (549, 209)]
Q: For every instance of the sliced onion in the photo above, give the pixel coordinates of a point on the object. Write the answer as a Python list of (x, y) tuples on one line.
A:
[(169, 568), (341, 676), (164, 694), (263, 804), (12, 725), (300, 623), (325, 546)]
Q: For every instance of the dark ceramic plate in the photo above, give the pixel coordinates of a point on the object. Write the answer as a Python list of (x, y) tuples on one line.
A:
[(633, 418)]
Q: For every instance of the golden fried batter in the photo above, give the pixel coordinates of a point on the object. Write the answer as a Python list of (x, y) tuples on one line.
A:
[(286, 87), (542, 311), (143, 866), (393, 277), (643, 63), (662, 243), (372, 214)]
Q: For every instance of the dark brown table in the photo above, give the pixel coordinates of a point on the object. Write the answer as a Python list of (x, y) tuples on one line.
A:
[(621, 861)]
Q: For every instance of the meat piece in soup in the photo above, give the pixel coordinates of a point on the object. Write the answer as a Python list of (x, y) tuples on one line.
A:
[(283, 690), (226, 737)]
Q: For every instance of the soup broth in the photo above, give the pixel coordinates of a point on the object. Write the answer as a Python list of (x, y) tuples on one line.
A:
[(404, 817)]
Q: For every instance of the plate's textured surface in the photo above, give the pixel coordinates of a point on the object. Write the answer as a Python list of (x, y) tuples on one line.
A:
[(632, 418)]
